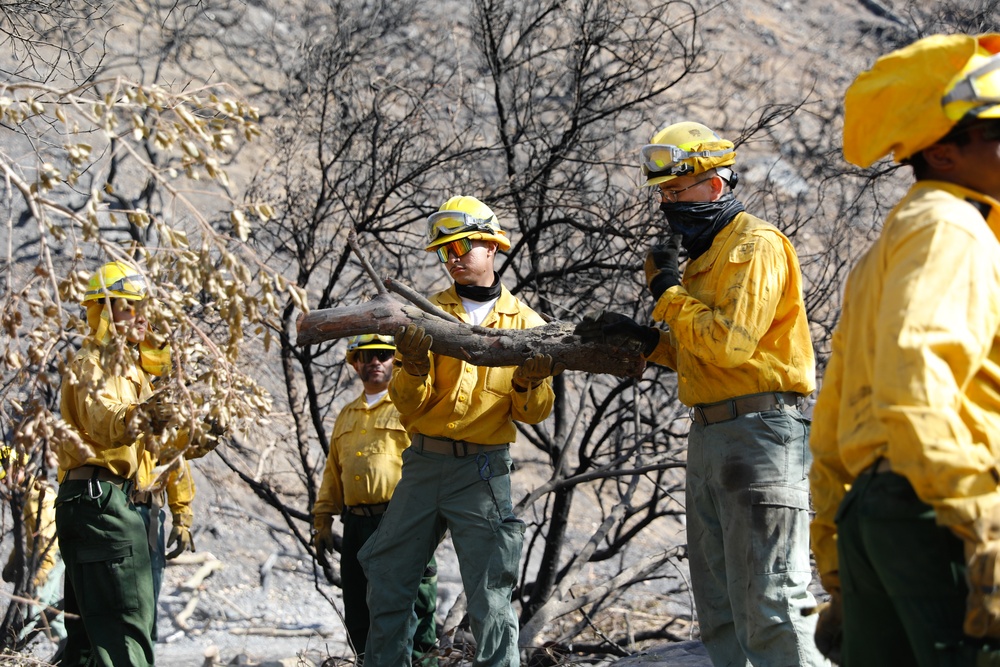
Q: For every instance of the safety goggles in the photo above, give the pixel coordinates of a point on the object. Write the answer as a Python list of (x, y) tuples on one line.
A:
[(446, 223), (664, 159), (981, 86), (365, 356), (458, 247), (126, 286)]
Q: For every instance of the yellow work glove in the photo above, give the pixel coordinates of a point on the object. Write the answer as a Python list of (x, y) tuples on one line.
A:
[(323, 523), (532, 372), (413, 345), (982, 556), (180, 535)]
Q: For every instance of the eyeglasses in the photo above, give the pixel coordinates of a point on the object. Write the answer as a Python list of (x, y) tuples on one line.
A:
[(365, 356), (981, 86), (664, 159), (446, 223), (670, 196), (458, 247)]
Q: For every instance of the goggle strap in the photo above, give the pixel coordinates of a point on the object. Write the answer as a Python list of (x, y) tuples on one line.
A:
[(965, 90)]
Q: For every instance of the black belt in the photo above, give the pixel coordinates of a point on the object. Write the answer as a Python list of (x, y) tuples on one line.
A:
[(713, 413), (96, 472), (367, 510), (456, 448)]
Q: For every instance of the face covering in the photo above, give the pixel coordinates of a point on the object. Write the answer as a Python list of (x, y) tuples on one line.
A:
[(478, 292), (699, 221)]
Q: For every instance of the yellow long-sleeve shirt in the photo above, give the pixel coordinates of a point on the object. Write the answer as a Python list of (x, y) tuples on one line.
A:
[(461, 401), (915, 366), (365, 460), (94, 403), (737, 323), (40, 528)]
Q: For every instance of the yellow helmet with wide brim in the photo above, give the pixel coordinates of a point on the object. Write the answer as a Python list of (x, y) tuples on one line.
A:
[(118, 280), (464, 217), (684, 148), (914, 96)]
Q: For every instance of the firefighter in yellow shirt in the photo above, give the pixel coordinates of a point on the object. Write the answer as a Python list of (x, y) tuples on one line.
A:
[(362, 470), (41, 550), (102, 537), (906, 432), (456, 473), (738, 337)]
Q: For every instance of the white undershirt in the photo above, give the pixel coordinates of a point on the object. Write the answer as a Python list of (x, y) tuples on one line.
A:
[(375, 398), (478, 310)]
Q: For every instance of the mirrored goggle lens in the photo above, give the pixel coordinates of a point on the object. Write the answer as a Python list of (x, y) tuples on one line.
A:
[(664, 159), (446, 223), (365, 356), (457, 248), (980, 86)]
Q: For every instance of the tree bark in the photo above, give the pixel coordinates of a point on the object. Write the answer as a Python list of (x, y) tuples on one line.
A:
[(476, 345)]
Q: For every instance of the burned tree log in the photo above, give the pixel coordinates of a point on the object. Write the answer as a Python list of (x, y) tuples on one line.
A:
[(476, 345)]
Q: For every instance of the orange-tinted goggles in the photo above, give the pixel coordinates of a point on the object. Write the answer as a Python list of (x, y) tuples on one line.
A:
[(457, 248)]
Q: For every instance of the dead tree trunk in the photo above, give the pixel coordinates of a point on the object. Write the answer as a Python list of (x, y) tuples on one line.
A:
[(476, 345)]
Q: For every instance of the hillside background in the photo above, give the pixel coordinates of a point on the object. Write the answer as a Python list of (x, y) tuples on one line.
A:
[(311, 119)]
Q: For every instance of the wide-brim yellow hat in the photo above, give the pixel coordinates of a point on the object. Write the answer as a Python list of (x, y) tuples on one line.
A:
[(912, 97)]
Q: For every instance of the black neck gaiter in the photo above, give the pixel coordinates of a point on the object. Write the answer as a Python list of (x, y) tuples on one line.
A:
[(699, 221), (478, 292)]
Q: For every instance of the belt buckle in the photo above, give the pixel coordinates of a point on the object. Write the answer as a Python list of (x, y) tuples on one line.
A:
[(698, 415), (454, 448)]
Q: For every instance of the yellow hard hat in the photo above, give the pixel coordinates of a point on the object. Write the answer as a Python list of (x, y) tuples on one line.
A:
[(913, 97), (116, 279), (464, 217), (684, 148), (363, 342), (4, 461)]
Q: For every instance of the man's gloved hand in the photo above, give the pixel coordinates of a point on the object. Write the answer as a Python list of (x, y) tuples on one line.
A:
[(531, 373), (151, 415), (830, 627), (609, 327), (180, 535), (662, 266), (413, 345), (982, 556), (323, 523)]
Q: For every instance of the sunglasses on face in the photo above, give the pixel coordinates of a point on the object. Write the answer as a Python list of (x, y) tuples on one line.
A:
[(457, 248), (365, 356)]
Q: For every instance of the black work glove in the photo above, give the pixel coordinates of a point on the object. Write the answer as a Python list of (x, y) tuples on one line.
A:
[(830, 627), (614, 328), (662, 266)]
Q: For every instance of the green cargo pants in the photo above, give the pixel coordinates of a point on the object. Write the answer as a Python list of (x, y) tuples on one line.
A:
[(902, 580), (109, 581), (357, 530), (469, 496)]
